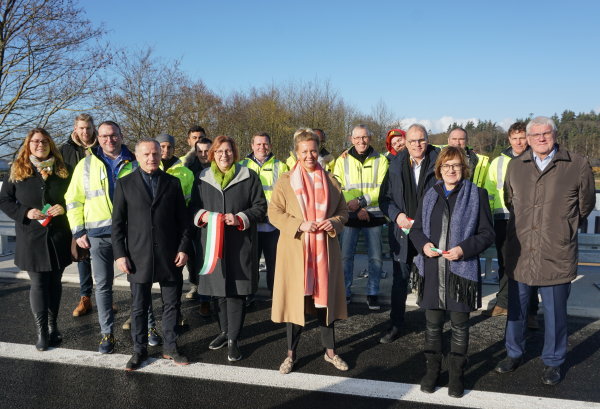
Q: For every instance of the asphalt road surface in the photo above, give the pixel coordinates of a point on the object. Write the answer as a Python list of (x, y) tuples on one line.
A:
[(75, 375)]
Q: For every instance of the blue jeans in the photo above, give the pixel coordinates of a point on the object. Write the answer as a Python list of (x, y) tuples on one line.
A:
[(554, 301), (373, 238), (86, 284), (103, 269)]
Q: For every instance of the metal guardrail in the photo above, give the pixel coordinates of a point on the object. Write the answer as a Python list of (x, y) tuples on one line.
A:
[(7, 229)]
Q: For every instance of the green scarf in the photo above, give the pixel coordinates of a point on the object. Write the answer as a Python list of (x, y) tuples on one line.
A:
[(222, 178)]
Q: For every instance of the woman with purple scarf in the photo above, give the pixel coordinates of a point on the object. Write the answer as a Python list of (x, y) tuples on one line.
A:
[(452, 227)]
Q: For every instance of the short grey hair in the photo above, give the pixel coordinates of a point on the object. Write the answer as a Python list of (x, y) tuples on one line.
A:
[(420, 128), (540, 120), (362, 126), (147, 140)]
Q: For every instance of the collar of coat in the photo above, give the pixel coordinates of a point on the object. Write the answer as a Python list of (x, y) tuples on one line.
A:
[(560, 155), (241, 173)]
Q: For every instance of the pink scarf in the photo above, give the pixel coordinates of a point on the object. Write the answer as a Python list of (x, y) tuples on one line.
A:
[(313, 196)]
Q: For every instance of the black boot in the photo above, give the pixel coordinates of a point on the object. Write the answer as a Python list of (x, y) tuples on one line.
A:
[(456, 372), (54, 335), (41, 322), (434, 365)]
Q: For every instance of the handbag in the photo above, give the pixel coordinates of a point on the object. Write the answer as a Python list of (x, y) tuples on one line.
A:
[(78, 253)]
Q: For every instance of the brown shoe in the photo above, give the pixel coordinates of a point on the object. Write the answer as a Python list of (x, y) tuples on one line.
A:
[(496, 312), (84, 306), (205, 309), (532, 322)]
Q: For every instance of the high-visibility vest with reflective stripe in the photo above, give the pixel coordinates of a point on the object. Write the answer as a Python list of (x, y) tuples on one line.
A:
[(268, 173), (291, 162), (362, 179), (494, 184), (481, 169), (88, 200), (185, 176)]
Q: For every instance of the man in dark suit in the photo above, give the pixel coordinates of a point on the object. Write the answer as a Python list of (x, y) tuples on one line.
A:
[(150, 239)]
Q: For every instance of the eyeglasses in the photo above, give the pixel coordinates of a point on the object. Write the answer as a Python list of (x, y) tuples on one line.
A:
[(227, 152), (446, 167), (40, 142), (546, 134), (416, 142), (111, 137), (360, 138)]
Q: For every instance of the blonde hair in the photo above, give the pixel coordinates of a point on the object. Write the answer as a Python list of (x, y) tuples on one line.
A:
[(303, 135), (22, 168)]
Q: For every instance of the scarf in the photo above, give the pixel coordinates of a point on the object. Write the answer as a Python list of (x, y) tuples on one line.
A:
[(215, 231), (313, 196), (44, 167), (412, 191), (222, 178), (464, 274)]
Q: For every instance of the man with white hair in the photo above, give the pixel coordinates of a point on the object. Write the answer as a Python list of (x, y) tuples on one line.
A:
[(548, 191)]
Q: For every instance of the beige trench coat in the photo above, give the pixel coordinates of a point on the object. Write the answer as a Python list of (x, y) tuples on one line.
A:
[(288, 290), (546, 209)]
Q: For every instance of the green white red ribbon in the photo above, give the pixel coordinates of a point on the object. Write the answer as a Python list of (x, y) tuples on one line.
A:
[(214, 242)]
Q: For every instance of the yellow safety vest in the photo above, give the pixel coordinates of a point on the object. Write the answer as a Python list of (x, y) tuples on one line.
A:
[(362, 179), (494, 184), (88, 200), (185, 176), (268, 173)]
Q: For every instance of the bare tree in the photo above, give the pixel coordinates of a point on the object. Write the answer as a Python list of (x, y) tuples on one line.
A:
[(50, 55)]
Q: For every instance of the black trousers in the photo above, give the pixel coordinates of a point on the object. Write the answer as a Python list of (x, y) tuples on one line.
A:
[(45, 291), (502, 295), (327, 332), (267, 245), (231, 312), (399, 292), (141, 298), (459, 323)]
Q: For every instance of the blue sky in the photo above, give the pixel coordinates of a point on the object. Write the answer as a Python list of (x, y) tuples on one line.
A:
[(429, 61)]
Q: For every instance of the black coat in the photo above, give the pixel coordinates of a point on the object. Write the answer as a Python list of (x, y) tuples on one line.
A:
[(472, 247), (150, 232), (237, 272), (38, 248), (72, 153), (392, 198)]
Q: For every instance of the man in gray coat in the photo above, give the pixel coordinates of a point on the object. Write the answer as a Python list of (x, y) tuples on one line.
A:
[(548, 191)]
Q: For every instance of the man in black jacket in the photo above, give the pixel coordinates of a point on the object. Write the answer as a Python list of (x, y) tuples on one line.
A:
[(410, 175), (150, 238), (84, 136)]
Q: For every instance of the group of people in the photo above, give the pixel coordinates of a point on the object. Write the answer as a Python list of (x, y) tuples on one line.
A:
[(152, 213)]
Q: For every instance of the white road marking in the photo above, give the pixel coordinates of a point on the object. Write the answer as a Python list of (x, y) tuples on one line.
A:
[(298, 381)]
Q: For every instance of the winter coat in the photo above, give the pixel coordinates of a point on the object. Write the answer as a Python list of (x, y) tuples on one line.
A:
[(237, 272), (546, 209), (150, 231), (435, 293), (73, 150), (38, 248), (392, 201), (288, 290)]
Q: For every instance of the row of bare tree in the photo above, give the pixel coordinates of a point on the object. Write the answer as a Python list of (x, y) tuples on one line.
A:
[(54, 65)]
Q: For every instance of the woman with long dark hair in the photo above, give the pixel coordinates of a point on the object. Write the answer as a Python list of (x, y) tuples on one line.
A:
[(34, 197)]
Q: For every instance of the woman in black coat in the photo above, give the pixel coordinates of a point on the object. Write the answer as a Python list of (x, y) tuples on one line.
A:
[(34, 197), (234, 192), (452, 226)]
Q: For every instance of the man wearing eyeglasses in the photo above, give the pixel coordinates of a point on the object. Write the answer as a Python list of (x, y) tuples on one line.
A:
[(548, 192), (361, 172), (477, 163), (411, 174), (89, 210)]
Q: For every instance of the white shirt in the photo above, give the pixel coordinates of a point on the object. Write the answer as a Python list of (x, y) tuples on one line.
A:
[(416, 167)]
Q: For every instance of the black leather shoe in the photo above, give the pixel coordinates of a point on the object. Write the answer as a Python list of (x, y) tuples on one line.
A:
[(233, 352), (219, 342), (391, 335), (136, 360), (551, 375), (508, 364)]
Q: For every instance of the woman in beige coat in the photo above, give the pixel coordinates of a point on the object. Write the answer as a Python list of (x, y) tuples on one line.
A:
[(309, 209)]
